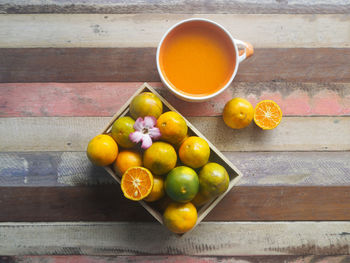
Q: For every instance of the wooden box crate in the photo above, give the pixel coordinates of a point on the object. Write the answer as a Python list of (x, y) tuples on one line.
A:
[(215, 156)]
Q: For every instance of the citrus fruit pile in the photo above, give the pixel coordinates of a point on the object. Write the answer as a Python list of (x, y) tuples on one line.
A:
[(238, 113), (160, 161)]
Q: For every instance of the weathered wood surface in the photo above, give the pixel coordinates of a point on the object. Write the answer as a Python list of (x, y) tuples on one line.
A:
[(139, 64), (107, 203), (176, 259), (162, 6), (259, 169), (74, 133), (146, 30), (104, 99), (222, 239), (44, 129)]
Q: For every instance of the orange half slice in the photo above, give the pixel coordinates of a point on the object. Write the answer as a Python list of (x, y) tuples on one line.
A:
[(267, 114), (137, 183)]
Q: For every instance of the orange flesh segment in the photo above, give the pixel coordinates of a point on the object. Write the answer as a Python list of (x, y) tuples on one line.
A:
[(267, 114), (137, 183)]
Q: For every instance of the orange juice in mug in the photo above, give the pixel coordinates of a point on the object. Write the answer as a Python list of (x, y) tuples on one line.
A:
[(197, 59)]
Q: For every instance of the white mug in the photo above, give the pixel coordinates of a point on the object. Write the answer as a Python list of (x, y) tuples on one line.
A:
[(240, 54)]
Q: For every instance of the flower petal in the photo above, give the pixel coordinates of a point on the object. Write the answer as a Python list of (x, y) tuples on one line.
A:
[(150, 121), (146, 142), (139, 124), (154, 133), (136, 136)]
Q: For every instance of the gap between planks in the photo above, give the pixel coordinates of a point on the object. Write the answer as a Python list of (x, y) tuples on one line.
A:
[(103, 99), (146, 30), (74, 133), (259, 169), (209, 239)]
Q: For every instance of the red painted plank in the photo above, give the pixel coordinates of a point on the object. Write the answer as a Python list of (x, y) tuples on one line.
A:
[(104, 99)]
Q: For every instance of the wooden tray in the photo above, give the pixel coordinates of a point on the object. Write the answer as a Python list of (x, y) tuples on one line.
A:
[(215, 156)]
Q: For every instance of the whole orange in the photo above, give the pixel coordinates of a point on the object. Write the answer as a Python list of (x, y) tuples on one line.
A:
[(157, 190), (180, 218), (172, 126), (102, 150), (121, 129), (194, 152), (160, 158), (238, 113), (146, 104), (127, 159)]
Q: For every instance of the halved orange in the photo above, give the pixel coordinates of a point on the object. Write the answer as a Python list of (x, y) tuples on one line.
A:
[(137, 183), (267, 114)]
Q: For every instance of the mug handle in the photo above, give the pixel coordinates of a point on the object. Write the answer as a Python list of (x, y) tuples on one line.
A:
[(247, 52)]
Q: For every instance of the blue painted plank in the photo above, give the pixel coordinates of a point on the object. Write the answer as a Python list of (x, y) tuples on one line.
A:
[(258, 168)]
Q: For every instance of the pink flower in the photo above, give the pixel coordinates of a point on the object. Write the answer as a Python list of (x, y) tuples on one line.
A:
[(145, 131)]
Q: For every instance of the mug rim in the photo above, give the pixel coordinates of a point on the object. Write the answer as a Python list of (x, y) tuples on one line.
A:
[(189, 97)]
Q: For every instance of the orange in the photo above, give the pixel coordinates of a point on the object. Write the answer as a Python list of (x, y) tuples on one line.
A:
[(182, 184), (137, 183), (102, 150), (213, 180), (172, 126), (194, 152), (121, 129), (267, 114), (177, 145), (238, 113), (180, 218), (127, 159), (146, 104), (160, 158), (200, 199), (157, 190)]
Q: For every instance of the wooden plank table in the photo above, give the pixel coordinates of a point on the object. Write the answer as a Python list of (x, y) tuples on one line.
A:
[(67, 66)]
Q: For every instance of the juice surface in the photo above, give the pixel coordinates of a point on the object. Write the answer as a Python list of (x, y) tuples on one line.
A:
[(197, 58)]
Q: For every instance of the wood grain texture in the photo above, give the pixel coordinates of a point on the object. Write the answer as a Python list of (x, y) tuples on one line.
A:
[(259, 169), (222, 239), (175, 259), (146, 30), (161, 6), (138, 64), (104, 99), (106, 203), (74, 133)]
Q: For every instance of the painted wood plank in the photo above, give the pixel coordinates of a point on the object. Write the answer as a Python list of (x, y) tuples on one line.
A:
[(161, 6), (259, 169), (128, 64), (103, 98), (107, 203), (175, 259), (146, 30), (209, 239), (74, 133)]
